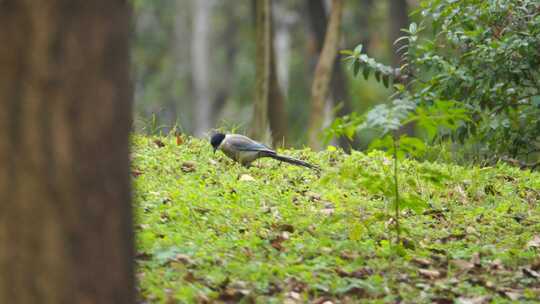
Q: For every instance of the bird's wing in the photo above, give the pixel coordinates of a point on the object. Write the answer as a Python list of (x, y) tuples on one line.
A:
[(243, 143)]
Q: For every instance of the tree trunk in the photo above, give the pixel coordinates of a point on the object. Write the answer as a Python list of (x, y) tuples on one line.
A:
[(364, 12), (182, 98), (65, 114), (201, 69), (276, 100), (276, 109), (338, 84), (323, 73), (259, 129), (229, 40), (399, 19)]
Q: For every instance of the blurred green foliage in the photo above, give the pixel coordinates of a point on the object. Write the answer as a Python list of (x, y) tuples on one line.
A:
[(472, 72)]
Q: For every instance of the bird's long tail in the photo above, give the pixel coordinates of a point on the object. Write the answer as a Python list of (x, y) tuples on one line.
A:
[(293, 161)]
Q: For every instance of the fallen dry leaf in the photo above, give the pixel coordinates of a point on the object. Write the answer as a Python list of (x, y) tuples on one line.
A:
[(312, 196), (143, 256), (535, 242), (462, 265), (159, 143), (184, 259), (421, 262), (475, 259), (349, 255), (179, 140), (188, 166), (475, 300), (497, 265), (284, 227), (513, 294), (322, 300), (233, 295), (471, 230), (294, 295), (531, 273), (442, 301), (430, 273), (246, 178), (360, 273), (278, 240)]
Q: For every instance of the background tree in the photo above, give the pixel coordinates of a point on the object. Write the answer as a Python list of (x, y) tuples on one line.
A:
[(338, 83), (276, 99), (260, 126), (201, 69), (65, 115), (399, 20), (323, 72)]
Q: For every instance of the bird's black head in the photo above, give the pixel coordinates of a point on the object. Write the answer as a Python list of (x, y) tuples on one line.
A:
[(216, 140)]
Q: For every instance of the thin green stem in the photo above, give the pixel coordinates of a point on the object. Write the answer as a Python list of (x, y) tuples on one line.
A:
[(396, 189)]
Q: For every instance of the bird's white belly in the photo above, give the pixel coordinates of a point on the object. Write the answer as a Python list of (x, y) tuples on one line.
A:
[(246, 157)]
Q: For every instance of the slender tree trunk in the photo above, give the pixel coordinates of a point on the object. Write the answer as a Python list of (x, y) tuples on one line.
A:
[(323, 73), (364, 11), (229, 39), (284, 19), (338, 84), (181, 102), (260, 126), (276, 110), (399, 19), (201, 68), (65, 114), (276, 100)]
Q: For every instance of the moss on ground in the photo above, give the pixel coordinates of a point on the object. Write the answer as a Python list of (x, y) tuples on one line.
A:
[(209, 230)]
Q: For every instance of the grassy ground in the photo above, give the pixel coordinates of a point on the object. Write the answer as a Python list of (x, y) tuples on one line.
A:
[(211, 231)]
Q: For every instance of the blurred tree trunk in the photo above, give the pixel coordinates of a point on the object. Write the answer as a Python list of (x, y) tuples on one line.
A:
[(201, 67), (229, 40), (65, 115), (182, 98), (365, 10), (399, 19), (276, 101), (338, 84), (323, 73), (260, 126), (284, 19)]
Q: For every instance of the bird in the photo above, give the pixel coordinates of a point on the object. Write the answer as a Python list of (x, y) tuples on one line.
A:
[(245, 150)]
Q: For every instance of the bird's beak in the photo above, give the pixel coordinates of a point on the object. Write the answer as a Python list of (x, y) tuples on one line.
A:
[(215, 149)]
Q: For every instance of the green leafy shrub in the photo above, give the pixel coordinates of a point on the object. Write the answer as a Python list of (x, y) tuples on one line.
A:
[(474, 81)]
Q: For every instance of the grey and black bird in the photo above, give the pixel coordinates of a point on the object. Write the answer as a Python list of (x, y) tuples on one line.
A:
[(245, 150)]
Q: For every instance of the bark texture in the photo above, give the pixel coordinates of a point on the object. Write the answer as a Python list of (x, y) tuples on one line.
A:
[(323, 73), (260, 126), (399, 19), (228, 37), (201, 68), (65, 115), (276, 100), (338, 82)]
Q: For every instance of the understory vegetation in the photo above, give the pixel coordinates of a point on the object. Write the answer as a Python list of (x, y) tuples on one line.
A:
[(209, 230), (469, 80)]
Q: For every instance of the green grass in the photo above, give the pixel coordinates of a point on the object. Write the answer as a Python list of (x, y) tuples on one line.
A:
[(209, 230)]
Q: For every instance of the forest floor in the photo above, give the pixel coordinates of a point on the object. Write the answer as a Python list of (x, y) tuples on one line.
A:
[(211, 231)]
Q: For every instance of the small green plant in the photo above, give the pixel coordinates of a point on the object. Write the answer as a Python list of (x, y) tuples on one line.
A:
[(439, 117)]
